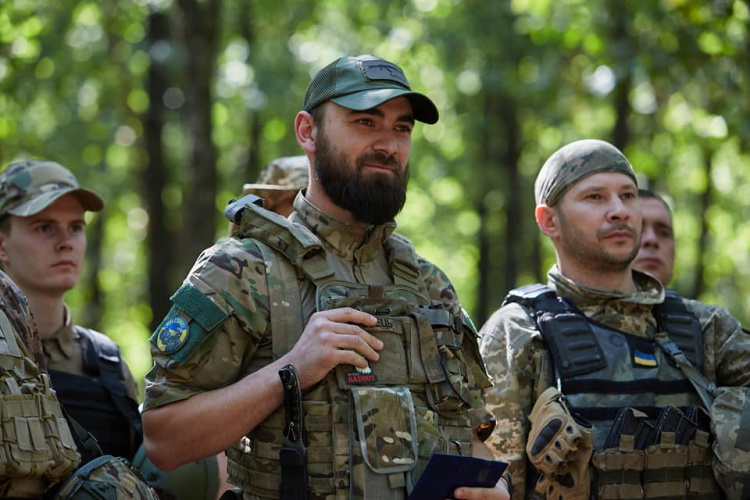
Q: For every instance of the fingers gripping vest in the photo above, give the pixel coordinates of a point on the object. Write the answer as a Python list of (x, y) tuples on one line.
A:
[(37, 447), (370, 431), (647, 442)]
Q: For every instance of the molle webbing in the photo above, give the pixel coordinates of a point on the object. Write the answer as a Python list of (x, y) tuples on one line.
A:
[(572, 344), (336, 461)]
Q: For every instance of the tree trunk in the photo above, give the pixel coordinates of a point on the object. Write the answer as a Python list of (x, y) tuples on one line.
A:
[(159, 237), (200, 35), (705, 204)]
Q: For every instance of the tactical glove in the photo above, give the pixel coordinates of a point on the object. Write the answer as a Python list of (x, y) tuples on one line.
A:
[(559, 446)]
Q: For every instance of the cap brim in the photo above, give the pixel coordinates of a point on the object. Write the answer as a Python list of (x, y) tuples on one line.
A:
[(424, 109), (89, 200)]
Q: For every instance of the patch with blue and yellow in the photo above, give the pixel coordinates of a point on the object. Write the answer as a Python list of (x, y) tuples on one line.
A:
[(644, 358), (172, 335), (642, 352), (192, 317)]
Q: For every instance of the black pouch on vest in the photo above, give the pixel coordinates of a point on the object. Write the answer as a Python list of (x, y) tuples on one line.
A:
[(672, 419)]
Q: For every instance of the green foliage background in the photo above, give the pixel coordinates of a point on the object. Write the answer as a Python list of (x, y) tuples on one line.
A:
[(666, 81)]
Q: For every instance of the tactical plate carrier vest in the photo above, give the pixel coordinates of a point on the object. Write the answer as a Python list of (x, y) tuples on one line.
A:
[(370, 432), (647, 443), (99, 400)]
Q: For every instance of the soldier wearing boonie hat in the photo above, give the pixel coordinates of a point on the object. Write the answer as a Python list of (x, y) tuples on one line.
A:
[(279, 183)]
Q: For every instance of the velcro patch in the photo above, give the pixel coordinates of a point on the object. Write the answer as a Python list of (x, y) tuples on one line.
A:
[(199, 307), (172, 335)]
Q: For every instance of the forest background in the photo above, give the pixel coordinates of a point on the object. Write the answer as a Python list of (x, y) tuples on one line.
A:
[(166, 107)]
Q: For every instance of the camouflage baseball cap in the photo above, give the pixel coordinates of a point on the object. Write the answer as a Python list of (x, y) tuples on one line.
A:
[(289, 173), (575, 161), (365, 82), (28, 187)]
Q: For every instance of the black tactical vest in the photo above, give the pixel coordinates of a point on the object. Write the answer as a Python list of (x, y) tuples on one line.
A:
[(99, 400), (601, 369)]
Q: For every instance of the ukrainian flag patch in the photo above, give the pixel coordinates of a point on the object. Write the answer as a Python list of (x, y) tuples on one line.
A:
[(641, 358), (172, 335)]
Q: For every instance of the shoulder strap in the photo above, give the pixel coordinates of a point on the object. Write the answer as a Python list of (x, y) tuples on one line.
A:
[(294, 241), (704, 388), (284, 299), (101, 358), (683, 328), (527, 295), (402, 258), (566, 330)]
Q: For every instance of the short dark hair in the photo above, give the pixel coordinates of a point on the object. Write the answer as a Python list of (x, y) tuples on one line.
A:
[(647, 193)]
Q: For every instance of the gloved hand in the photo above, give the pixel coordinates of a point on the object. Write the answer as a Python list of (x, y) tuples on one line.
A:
[(560, 447)]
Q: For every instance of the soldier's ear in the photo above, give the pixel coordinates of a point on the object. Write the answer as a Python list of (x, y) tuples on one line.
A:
[(546, 219), (305, 130)]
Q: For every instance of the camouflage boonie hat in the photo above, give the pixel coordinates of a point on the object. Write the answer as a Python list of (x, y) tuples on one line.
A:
[(365, 82), (289, 173), (575, 161), (28, 187)]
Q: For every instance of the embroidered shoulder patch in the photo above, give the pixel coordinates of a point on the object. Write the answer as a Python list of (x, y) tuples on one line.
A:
[(172, 335)]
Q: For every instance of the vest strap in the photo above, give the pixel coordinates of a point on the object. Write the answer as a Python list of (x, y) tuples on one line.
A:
[(284, 301), (102, 358)]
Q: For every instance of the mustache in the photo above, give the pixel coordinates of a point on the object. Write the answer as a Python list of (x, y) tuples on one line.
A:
[(381, 158), (618, 228)]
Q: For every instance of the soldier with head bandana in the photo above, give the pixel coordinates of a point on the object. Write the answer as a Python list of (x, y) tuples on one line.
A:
[(588, 405), (387, 366)]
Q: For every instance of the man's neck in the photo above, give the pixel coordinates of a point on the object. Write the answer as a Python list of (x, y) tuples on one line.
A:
[(49, 313), (620, 281)]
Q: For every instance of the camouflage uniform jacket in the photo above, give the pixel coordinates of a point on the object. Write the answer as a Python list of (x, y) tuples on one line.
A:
[(517, 357), (230, 277)]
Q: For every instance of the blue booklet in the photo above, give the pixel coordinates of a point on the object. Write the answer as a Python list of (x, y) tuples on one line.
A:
[(445, 473)]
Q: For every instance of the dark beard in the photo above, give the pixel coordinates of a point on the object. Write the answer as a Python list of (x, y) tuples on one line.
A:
[(375, 199)]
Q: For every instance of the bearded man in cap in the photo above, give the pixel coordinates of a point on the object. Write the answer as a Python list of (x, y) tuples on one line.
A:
[(326, 355), (580, 378)]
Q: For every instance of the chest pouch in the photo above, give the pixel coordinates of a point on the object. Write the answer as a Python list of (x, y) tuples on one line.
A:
[(36, 439), (386, 427)]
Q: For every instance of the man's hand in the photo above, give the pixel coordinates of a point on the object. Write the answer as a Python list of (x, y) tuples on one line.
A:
[(333, 338), (499, 492)]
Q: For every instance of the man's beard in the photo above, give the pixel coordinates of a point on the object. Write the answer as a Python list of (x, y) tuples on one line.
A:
[(374, 199), (578, 247)]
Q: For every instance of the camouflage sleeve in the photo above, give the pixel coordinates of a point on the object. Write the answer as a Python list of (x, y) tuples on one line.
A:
[(441, 290), (218, 320), (726, 345), (515, 357)]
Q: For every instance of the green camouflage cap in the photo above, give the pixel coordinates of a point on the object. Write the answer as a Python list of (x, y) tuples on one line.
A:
[(28, 187), (365, 82), (575, 161), (289, 173)]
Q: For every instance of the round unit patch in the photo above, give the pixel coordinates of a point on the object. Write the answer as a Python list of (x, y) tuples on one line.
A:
[(172, 335)]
